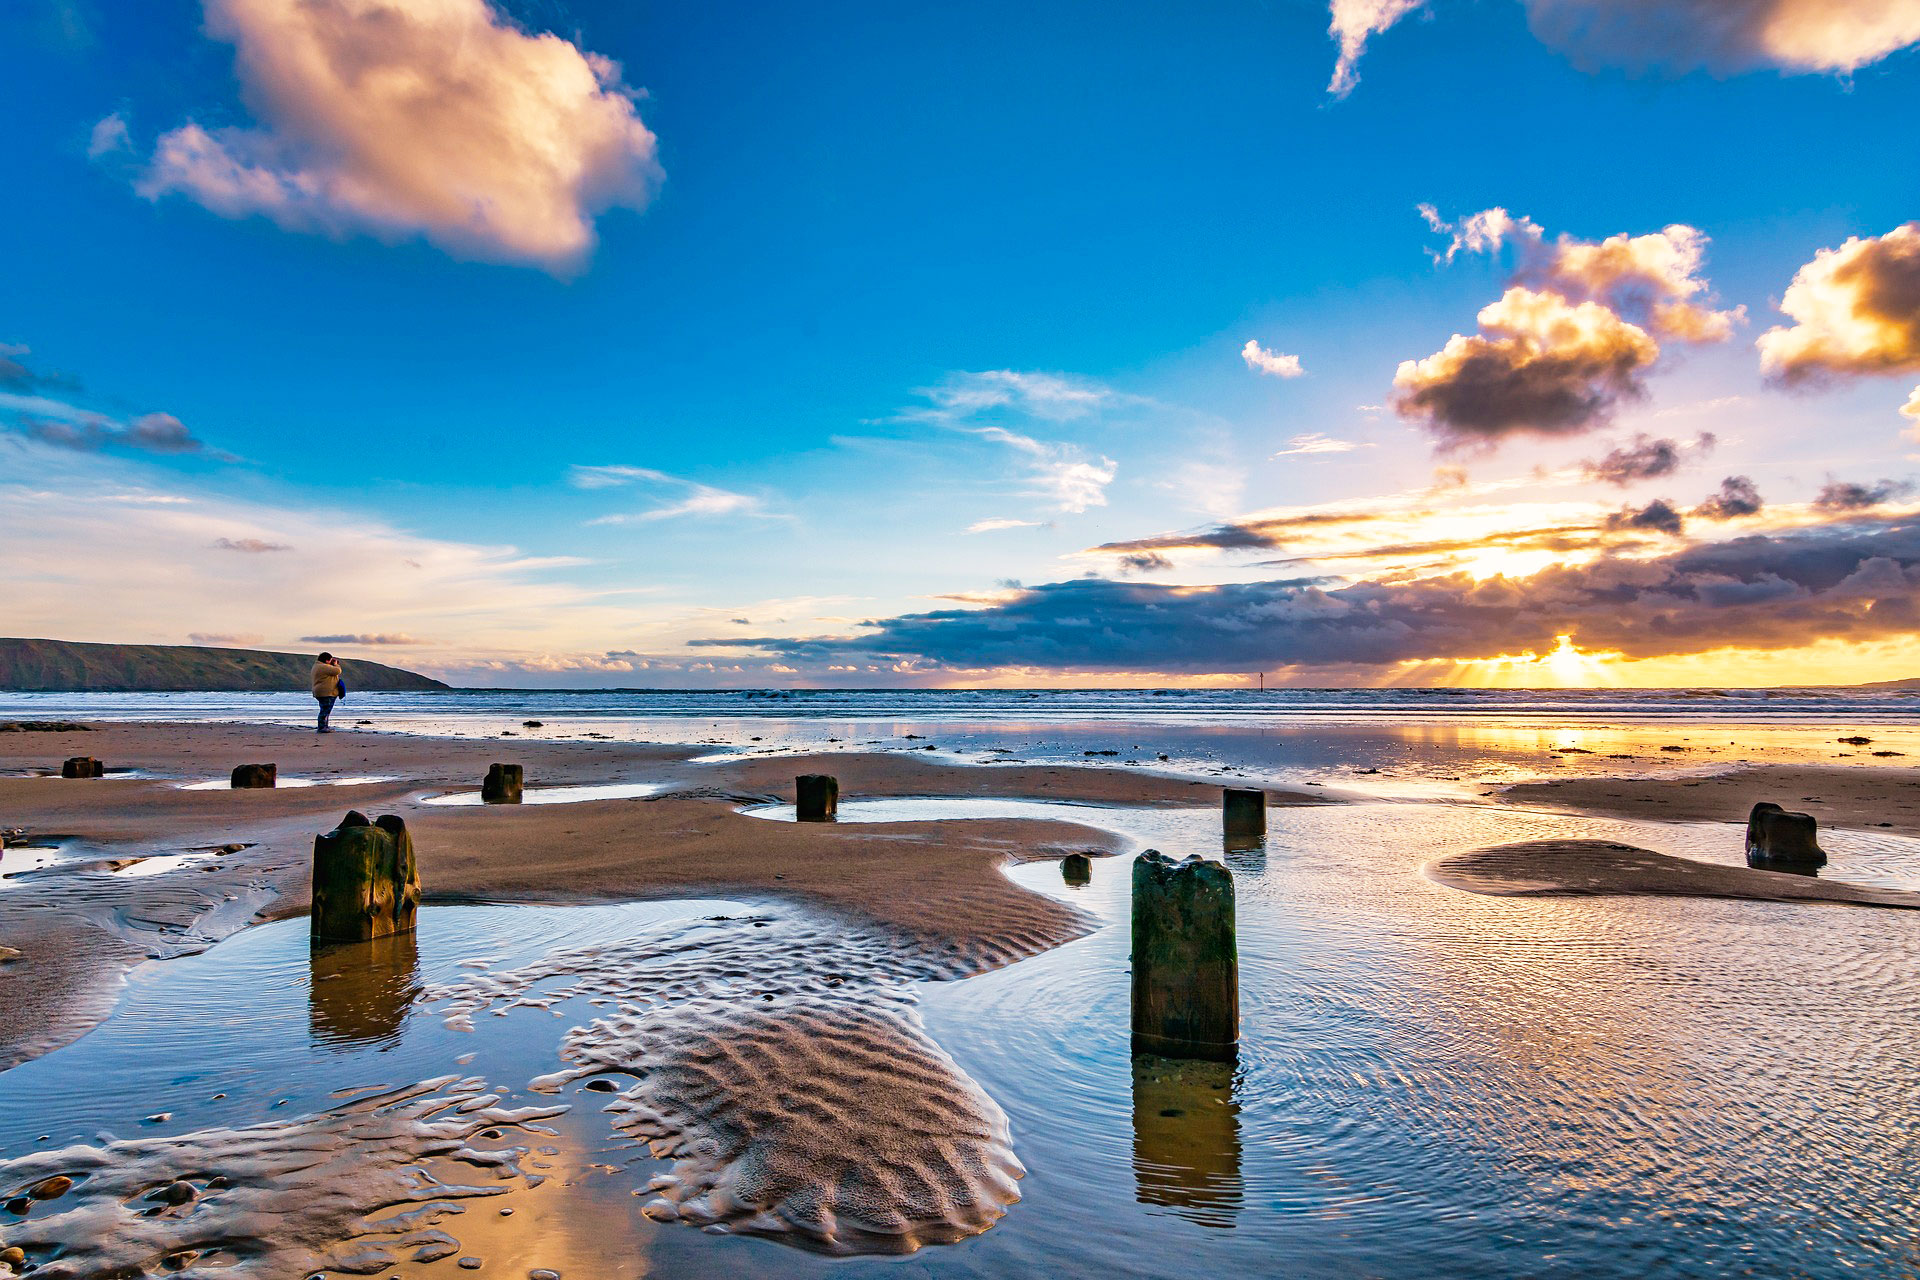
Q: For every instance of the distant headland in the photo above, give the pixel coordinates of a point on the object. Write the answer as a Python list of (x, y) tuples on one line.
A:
[(65, 666)]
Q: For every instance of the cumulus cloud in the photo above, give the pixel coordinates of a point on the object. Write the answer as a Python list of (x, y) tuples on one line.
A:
[(1352, 24), (681, 497), (1853, 583), (1645, 458), (1273, 363), (377, 638), (1837, 495), (1911, 409), (1573, 335), (1726, 35), (1856, 310), (1539, 364), (1658, 516), (251, 546), (438, 118), (1736, 497), (1316, 442)]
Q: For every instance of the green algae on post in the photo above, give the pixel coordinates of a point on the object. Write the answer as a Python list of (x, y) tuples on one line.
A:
[(503, 784), (1186, 966), (365, 883)]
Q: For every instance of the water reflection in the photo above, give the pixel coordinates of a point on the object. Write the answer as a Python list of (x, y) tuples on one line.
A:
[(1246, 854), (361, 992), (1186, 1139)]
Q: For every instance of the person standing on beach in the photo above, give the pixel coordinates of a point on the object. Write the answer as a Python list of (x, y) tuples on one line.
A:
[(326, 689)]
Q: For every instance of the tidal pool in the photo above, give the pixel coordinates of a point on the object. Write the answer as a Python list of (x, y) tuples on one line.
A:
[(1430, 1082), (558, 795)]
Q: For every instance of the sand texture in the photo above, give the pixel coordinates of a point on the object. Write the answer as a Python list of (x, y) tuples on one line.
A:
[(1602, 867), (1880, 797)]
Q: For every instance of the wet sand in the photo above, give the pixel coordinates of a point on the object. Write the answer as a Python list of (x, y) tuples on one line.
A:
[(78, 930), (1600, 867), (1881, 797)]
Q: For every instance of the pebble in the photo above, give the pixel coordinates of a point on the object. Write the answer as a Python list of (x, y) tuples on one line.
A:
[(602, 1086), (175, 1193), (158, 1117), (16, 1255), (53, 1188), (469, 1264), (541, 1273)]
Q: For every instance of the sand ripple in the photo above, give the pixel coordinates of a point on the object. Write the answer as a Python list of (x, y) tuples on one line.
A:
[(780, 1063), (353, 1190)]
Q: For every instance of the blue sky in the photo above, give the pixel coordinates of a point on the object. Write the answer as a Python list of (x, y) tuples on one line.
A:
[(864, 209)]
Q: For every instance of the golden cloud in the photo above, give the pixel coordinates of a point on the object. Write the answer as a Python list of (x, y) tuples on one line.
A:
[(437, 117), (1856, 310)]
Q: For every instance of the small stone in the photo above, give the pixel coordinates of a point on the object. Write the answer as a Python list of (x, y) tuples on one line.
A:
[(180, 1261), (19, 1204), (175, 1193), (541, 1273), (14, 1256), (158, 1117), (506, 1213), (602, 1086), (469, 1263), (219, 1183), (8, 953), (53, 1188)]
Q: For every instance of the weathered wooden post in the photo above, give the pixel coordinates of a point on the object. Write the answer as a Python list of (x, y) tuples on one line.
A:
[(1186, 967), (1781, 840), (82, 767), (246, 776), (1076, 868), (502, 784), (816, 797), (365, 884), (1243, 812)]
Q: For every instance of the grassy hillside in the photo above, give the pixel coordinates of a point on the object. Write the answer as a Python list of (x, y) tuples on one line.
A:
[(61, 666)]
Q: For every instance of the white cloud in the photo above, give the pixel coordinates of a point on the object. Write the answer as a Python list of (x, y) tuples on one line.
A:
[(1001, 522), (1261, 360), (436, 117), (1911, 410), (1063, 474), (688, 497), (1856, 311), (1727, 35), (1050, 396), (1352, 23), (109, 136), (1317, 442)]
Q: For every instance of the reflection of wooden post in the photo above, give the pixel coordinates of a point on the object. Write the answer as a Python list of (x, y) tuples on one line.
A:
[(82, 767), (361, 993), (246, 776), (365, 884), (1243, 812), (1076, 868), (816, 797), (1186, 1139), (502, 784), (1186, 969), (1777, 838)]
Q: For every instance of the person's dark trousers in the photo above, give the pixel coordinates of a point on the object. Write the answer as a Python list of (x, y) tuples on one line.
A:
[(326, 710)]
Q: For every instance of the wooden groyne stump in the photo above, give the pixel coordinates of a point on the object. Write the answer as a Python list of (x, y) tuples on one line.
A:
[(253, 776), (503, 784), (1778, 839), (1076, 868), (365, 883), (1186, 966), (1243, 812), (82, 767), (816, 797)]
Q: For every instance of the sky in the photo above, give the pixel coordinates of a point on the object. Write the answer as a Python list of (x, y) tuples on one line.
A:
[(579, 343)]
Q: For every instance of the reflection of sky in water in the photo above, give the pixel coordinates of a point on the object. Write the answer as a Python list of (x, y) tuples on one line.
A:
[(1431, 1082), (556, 795), (283, 783)]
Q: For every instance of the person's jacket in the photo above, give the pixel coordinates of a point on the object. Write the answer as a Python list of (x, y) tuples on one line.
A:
[(326, 680)]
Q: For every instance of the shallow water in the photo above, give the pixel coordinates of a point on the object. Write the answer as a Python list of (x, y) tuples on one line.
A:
[(557, 795), (1431, 1082)]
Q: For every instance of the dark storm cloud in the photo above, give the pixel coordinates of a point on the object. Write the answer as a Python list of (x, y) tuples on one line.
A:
[(1736, 497), (1850, 582)]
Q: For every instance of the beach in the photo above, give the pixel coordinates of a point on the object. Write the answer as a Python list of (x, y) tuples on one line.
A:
[(812, 1032)]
